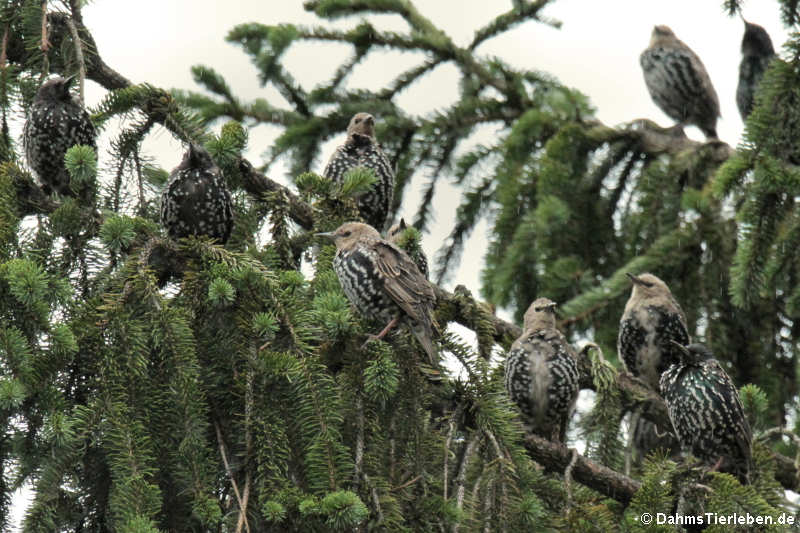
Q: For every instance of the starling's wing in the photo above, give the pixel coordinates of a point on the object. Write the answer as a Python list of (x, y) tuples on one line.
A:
[(340, 162), (631, 336), (733, 408), (404, 283), (671, 327), (699, 78)]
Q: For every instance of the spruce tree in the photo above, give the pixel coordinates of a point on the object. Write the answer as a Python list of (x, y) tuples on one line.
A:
[(148, 384)]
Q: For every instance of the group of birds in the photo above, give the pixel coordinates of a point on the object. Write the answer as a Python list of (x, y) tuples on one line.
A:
[(681, 87), (653, 343), (384, 282)]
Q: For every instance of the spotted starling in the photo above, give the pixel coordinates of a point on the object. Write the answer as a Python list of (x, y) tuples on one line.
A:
[(361, 149), (56, 122), (382, 282), (413, 249), (678, 82), (542, 373), (706, 412), (651, 319), (196, 200), (757, 52)]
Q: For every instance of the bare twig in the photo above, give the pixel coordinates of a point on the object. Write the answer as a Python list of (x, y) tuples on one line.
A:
[(461, 477), (228, 471), (76, 41)]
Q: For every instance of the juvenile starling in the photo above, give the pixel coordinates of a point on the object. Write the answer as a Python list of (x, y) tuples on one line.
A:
[(542, 373), (361, 149), (706, 412), (196, 200), (56, 122), (678, 82), (382, 282), (413, 249), (757, 52), (651, 319)]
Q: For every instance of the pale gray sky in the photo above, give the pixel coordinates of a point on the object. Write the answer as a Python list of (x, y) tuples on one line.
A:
[(596, 51)]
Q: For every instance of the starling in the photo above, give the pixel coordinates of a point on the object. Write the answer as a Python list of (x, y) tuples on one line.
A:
[(757, 52), (362, 150), (382, 281), (678, 82), (706, 412), (542, 373), (413, 249), (196, 200), (56, 123), (651, 319)]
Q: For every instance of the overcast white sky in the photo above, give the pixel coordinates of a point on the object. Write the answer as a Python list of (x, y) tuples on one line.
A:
[(596, 51)]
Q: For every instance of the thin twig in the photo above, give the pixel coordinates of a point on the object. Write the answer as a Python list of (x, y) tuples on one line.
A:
[(568, 476), (228, 469), (76, 41)]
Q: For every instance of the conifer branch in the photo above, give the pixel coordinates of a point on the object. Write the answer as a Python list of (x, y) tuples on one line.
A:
[(509, 19), (258, 185), (557, 458), (652, 139)]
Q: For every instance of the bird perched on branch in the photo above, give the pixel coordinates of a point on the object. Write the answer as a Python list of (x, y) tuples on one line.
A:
[(652, 318), (413, 249), (542, 373), (382, 282), (678, 82), (196, 200), (361, 149), (706, 411), (757, 52), (56, 122)]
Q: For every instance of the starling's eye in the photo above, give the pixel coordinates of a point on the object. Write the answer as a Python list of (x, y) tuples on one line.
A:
[(358, 120), (346, 234), (647, 284)]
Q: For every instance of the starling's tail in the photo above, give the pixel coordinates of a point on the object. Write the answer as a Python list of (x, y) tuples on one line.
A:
[(424, 334)]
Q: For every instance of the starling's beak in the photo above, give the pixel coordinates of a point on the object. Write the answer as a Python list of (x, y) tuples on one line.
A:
[(402, 223), (327, 235), (633, 278), (552, 307), (68, 81), (683, 348)]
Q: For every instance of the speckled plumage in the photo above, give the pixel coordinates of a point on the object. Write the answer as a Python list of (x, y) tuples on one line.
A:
[(56, 122), (706, 412), (361, 149), (541, 374), (196, 200), (382, 282), (652, 318), (678, 82), (414, 251), (757, 52)]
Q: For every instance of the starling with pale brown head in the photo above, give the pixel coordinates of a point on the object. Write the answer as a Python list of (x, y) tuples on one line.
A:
[(56, 122), (398, 236), (196, 200), (757, 52), (382, 282), (652, 319), (361, 149), (678, 82), (706, 412), (541, 374)]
